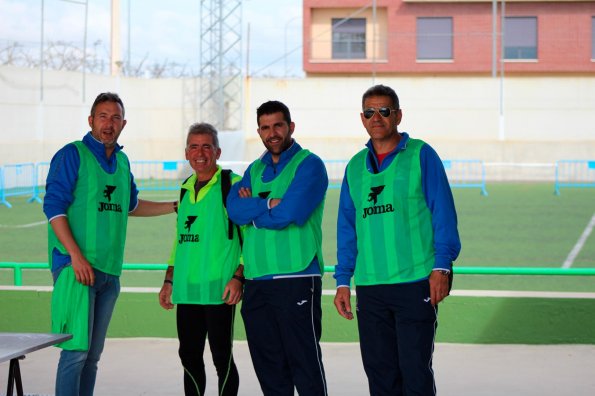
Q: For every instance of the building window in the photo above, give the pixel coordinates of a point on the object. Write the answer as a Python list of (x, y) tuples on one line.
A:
[(434, 38), (349, 38), (520, 38)]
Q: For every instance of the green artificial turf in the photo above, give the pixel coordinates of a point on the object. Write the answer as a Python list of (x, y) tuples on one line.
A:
[(516, 225)]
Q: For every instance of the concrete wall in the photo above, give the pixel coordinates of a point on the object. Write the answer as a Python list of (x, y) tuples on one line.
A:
[(544, 118)]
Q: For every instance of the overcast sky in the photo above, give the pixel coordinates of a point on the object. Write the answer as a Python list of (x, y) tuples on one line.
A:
[(160, 29)]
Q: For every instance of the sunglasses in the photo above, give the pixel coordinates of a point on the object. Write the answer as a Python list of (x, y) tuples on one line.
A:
[(383, 111)]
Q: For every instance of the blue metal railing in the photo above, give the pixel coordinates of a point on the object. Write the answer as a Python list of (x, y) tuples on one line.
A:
[(16, 180), (29, 179), (574, 174), (466, 173)]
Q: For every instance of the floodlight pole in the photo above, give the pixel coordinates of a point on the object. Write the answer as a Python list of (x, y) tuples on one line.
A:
[(41, 55), (374, 39), (494, 37), (84, 67), (501, 130), (220, 63), (285, 54), (128, 46), (116, 57), (84, 94)]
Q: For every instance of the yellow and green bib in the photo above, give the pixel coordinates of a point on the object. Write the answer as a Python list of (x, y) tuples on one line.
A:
[(205, 259)]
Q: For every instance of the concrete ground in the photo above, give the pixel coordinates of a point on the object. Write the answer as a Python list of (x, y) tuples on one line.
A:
[(147, 366)]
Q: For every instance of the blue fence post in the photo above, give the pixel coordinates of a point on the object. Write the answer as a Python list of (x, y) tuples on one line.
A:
[(556, 179), (41, 172)]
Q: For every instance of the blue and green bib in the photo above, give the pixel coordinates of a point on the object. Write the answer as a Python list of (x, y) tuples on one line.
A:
[(288, 250), (98, 215), (393, 223)]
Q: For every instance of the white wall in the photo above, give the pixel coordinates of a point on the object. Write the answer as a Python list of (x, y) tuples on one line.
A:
[(544, 118)]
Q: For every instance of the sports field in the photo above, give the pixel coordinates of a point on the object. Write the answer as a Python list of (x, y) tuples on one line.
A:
[(517, 225)]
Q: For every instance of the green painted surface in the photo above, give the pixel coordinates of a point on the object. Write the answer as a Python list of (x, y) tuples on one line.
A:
[(484, 320)]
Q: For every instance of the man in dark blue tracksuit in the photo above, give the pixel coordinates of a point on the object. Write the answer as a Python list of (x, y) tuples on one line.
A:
[(397, 236), (280, 199)]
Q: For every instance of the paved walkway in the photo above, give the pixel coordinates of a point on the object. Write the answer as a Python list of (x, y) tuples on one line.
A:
[(148, 366)]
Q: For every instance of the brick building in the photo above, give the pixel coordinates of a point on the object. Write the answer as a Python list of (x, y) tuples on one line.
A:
[(442, 37)]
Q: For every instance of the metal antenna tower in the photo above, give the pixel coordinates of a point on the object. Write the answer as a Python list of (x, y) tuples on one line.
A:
[(221, 63)]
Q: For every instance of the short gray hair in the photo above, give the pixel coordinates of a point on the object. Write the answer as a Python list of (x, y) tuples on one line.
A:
[(203, 128)]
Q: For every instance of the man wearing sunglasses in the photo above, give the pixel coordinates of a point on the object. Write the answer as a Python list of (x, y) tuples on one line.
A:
[(280, 199), (397, 237)]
